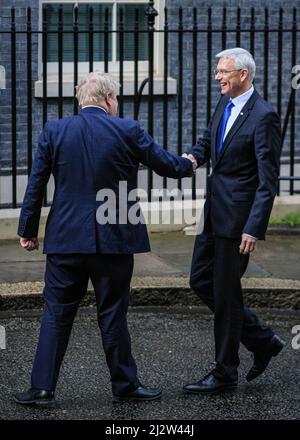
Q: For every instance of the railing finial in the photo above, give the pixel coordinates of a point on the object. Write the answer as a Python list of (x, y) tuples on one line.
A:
[(151, 13)]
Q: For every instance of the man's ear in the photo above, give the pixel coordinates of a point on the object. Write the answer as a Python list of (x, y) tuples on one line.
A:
[(107, 101), (245, 74)]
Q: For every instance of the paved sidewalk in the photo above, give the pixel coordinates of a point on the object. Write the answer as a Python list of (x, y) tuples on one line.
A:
[(160, 277)]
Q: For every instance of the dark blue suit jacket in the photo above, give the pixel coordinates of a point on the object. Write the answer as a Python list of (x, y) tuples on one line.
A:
[(243, 181), (87, 153)]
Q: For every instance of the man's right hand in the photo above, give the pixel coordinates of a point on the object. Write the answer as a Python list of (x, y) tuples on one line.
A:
[(30, 244), (192, 159)]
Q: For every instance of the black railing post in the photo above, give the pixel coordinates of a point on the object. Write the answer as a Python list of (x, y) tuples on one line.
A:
[(180, 86), (238, 28), (13, 108), (151, 13), (194, 88), (293, 103), (166, 67), (166, 102), (209, 74), (279, 70), (75, 52), (279, 63), (60, 62), (209, 67), (224, 28), (91, 39), (106, 39), (45, 61), (252, 32), (29, 92), (140, 92), (266, 53), (136, 63), (121, 60)]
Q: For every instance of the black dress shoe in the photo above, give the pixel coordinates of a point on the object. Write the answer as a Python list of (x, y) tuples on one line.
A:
[(210, 384), (262, 358), (141, 393), (34, 397)]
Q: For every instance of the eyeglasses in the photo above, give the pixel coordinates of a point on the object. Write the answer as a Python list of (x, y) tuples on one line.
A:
[(224, 72)]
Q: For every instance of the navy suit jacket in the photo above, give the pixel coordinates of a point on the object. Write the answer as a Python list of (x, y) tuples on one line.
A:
[(243, 181), (87, 153)]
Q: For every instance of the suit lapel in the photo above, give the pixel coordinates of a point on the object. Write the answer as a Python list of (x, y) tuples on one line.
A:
[(238, 123)]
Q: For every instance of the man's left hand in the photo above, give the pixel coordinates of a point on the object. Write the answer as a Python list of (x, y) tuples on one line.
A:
[(30, 244), (247, 244)]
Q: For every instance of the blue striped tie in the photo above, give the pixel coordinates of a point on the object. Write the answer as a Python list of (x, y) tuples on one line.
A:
[(222, 126)]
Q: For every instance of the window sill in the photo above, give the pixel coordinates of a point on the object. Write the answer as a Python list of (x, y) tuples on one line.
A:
[(128, 87)]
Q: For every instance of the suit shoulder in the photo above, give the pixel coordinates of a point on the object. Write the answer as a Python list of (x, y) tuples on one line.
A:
[(223, 99), (127, 126), (264, 108), (58, 123), (125, 123)]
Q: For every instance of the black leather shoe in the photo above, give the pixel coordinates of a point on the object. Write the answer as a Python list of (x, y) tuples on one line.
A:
[(141, 393), (262, 358), (210, 384), (34, 397)]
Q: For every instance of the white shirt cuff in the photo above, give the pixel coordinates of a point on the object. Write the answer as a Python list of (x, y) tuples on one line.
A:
[(248, 235)]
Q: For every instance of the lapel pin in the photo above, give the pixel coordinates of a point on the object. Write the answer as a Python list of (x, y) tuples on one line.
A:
[(241, 113)]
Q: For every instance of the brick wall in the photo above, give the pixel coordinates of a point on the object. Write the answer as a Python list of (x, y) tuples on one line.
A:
[(217, 5)]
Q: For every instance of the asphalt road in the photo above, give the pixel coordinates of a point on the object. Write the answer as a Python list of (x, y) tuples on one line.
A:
[(171, 347)]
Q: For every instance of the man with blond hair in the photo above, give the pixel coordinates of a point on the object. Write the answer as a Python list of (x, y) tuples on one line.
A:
[(87, 153)]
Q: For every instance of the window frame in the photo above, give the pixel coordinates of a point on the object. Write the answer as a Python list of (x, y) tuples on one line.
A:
[(113, 66)]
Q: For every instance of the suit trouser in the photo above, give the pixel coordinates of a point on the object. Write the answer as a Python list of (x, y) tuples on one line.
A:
[(66, 280), (217, 267)]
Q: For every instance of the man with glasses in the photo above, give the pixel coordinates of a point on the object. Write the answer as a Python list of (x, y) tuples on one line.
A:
[(243, 143)]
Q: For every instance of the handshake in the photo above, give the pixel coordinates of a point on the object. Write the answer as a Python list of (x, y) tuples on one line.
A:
[(192, 159)]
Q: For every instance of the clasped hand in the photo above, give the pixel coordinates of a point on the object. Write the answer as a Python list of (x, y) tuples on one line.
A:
[(192, 159)]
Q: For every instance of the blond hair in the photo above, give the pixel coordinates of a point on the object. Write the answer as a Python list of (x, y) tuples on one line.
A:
[(95, 87)]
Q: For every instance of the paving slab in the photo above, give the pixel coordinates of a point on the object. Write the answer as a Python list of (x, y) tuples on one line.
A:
[(160, 277)]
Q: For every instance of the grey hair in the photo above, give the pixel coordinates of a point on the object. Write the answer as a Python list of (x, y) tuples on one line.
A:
[(95, 87), (242, 58)]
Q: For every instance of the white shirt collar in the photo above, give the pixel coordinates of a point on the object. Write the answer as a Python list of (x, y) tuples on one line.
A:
[(95, 106), (241, 100)]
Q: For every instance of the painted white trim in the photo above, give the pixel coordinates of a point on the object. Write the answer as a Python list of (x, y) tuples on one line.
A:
[(83, 68), (52, 68), (128, 86)]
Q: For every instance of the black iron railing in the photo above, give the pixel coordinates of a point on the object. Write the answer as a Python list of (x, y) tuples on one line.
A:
[(204, 40)]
